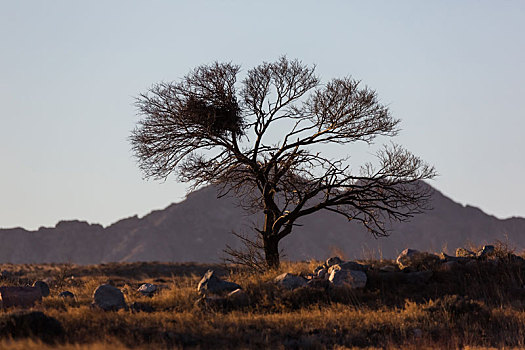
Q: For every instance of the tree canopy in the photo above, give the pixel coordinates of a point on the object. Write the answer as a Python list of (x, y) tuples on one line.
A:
[(262, 139)]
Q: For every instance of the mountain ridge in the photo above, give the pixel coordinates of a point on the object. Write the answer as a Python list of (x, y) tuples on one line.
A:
[(198, 228)]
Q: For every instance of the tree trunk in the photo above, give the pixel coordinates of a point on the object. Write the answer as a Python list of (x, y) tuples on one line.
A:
[(270, 241), (271, 252)]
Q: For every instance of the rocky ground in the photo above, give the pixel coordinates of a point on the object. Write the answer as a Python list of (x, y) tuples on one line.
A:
[(475, 298)]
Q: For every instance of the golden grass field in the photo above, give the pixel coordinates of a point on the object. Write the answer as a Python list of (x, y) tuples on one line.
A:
[(481, 306)]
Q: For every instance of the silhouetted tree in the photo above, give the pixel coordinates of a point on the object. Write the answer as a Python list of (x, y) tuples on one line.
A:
[(260, 139)]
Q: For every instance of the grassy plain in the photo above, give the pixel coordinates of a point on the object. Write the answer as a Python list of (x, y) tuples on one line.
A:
[(477, 306)]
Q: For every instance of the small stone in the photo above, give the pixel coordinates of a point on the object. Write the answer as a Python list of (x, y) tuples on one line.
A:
[(333, 261), (348, 278), (289, 281), (147, 289), (210, 283), (66, 295), (486, 251), (42, 287), (109, 298)]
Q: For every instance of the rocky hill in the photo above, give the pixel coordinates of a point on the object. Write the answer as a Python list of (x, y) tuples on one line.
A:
[(198, 229)]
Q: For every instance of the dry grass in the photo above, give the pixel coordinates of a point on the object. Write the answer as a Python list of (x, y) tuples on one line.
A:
[(473, 307)]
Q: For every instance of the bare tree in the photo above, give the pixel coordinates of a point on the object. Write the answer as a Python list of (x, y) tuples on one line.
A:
[(260, 139)]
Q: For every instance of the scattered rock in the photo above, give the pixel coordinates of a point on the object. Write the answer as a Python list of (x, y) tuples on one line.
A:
[(141, 307), (19, 296), (238, 298), (486, 251), (348, 278), (289, 281), (349, 265), (333, 261), (416, 259), (31, 324), (42, 287), (109, 298), (465, 253), (210, 283), (66, 295), (147, 289), (407, 256)]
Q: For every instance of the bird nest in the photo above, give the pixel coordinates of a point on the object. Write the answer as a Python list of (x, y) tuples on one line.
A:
[(218, 116)]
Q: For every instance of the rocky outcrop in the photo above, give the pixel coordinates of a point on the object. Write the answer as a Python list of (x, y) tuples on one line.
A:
[(179, 233)]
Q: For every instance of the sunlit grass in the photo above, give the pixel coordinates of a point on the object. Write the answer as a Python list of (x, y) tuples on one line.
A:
[(481, 306)]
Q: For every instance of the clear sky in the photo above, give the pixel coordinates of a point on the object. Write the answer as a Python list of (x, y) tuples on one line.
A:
[(453, 71)]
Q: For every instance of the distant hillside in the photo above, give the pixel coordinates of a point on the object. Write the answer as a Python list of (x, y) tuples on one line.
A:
[(198, 229)]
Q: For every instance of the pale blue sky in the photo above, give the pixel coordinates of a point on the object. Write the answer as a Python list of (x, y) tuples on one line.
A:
[(453, 71)]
